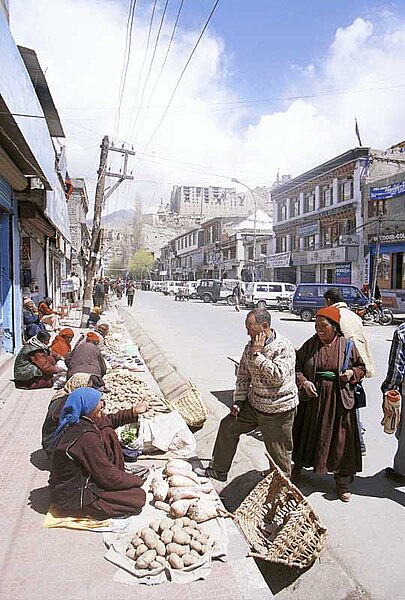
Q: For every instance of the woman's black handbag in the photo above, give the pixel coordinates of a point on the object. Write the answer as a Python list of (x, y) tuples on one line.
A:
[(360, 400)]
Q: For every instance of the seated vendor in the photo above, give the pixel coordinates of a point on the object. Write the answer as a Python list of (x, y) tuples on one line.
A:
[(94, 316), (31, 320), (86, 358), (84, 481), (35, 364), (62, 342), (47, 315)]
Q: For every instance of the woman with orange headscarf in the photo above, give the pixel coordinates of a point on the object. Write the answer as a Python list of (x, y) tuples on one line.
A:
[(61, 343), (86, 358), (325, 433)]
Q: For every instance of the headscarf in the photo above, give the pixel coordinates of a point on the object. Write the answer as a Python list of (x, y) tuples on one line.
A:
[(67, 331), (103, 328), (34, 341), (80, 402), (330, 312), (27, 302), (76, 381), (96, 310), (92, 337)]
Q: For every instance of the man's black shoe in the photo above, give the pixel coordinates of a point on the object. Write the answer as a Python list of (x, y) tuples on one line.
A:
[(213, 474)]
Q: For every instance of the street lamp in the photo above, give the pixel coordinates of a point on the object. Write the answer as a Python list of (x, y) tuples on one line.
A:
[(234, 180)]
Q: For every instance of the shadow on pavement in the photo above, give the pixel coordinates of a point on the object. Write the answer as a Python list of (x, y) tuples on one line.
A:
[(40, 460), (224, 396), (39, 500), (278, 577)]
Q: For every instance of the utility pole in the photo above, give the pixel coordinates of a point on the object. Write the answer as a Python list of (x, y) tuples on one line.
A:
[(101, 196)]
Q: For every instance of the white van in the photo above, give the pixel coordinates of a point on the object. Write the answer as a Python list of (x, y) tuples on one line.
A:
[(191, 287), (263, 294), (170, 288)]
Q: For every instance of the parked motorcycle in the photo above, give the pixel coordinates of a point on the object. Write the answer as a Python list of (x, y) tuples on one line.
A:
[(284, 303), (374, 312)]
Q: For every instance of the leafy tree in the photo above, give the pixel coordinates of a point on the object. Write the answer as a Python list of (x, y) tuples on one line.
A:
[(141, 263)]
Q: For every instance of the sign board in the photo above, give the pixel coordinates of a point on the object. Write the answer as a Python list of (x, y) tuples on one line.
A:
[(343, 273), (327, 255), (282, 259), (349, 240), (307, 230), (398, 236), (67, 286), (385, 192), (162, 273)]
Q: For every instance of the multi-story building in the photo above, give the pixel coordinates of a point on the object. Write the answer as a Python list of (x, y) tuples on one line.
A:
[(203, 203), (318, 223), (384, 214), (78, 206)]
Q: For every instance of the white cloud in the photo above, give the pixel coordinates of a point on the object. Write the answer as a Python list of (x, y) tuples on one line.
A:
[(81, 43)]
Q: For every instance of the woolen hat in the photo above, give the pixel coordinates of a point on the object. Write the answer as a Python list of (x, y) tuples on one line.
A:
[(330, 312), (92, 337)]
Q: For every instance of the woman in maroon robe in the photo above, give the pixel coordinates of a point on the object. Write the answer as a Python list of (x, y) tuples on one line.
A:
[(325, 432), (84, 480)]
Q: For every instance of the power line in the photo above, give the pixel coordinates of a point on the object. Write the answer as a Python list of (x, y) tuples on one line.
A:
[(125, 64), (150, 68), (182, 74)]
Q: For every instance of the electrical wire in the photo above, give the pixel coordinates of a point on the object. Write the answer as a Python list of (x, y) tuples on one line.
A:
[(125, 64), (181, 75), (163, 63), (150, 68)]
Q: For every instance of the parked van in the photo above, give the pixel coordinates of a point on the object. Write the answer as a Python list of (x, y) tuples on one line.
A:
[(263, 294), (308, 297), (214, 290), (170, 288), (191, 287)]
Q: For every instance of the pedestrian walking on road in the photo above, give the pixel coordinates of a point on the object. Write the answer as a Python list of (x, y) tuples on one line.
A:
[(98, 299), (325, 433), (395, 380), (265, 397), (352, 328), (130, 293), (237, 294)]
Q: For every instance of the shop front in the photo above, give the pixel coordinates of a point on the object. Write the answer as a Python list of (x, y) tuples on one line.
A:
[(279, 268), (391, 270)]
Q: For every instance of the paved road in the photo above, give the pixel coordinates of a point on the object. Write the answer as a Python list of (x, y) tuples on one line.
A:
[(367, 536)]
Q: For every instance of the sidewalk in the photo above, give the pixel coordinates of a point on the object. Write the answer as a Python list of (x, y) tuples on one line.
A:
[(48, 564)]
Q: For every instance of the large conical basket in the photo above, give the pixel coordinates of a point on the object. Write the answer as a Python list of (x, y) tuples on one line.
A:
[(280, 524), (191, 407)]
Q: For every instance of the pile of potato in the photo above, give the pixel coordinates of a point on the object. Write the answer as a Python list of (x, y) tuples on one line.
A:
[(181, 493), (126, 390), (167, 543)]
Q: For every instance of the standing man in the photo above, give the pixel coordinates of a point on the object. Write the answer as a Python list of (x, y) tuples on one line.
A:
[(395, 380), (352, 328), (99, 294), (237, 293), (130, 293), (76, 286), (266, 396)]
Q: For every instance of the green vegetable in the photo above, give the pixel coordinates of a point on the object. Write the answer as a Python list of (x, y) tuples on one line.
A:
[(129, 435)]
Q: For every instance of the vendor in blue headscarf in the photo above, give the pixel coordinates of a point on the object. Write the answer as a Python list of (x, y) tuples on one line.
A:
[(84, 481)]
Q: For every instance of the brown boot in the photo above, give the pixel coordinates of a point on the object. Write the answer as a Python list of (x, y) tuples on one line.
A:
[(343, 487)]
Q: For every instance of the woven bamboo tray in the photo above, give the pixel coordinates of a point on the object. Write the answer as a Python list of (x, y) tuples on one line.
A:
[(280, 524), (191, 407)]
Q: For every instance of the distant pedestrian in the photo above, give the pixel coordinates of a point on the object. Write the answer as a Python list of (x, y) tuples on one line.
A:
[(265, 397), (99, 293), (395, 380), (237, 294), (130, 293)]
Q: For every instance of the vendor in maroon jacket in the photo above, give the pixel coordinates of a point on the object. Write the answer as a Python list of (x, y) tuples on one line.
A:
[(84, 481), (86, 358)]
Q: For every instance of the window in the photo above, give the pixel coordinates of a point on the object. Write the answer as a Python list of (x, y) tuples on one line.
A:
[(326, 236), (281, 244), (232, 253), (250, 253), (377, 208), (263, 249), (309, 202), (261, 288), (294, 242), (289, 287), (282, 212), (194, 237), (346, 189), (326, 195), (309, 242), (295, 207), (275, 288), (308, 291)]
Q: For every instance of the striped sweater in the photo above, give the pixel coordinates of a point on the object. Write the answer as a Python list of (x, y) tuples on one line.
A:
[(267, 380)]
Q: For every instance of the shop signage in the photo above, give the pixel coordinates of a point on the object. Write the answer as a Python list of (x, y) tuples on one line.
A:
[(385, 192), (343, 273), (299, 258), (390, 237), (162, 273), (197, 259), (282, 259), (67, 286), (327, 255), (349, 240), (25, 248), (306, 230)]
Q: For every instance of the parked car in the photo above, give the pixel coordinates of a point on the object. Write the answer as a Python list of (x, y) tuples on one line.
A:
[(263, 294), (170, 288), (214, 290), (157, 286), (191, 287), (308, 298)]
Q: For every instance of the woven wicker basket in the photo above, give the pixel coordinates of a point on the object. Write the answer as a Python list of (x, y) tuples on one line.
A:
[(191, 407), (280, 524)]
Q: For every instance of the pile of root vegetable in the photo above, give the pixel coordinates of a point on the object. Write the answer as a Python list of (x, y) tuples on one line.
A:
[(126, 390), (179, 492), (167, 543)]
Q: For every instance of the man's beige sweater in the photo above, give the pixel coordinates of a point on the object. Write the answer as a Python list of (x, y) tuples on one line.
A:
[(267, 380)]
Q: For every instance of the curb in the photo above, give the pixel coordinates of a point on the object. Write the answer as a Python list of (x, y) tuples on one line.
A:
[(170, 382)]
